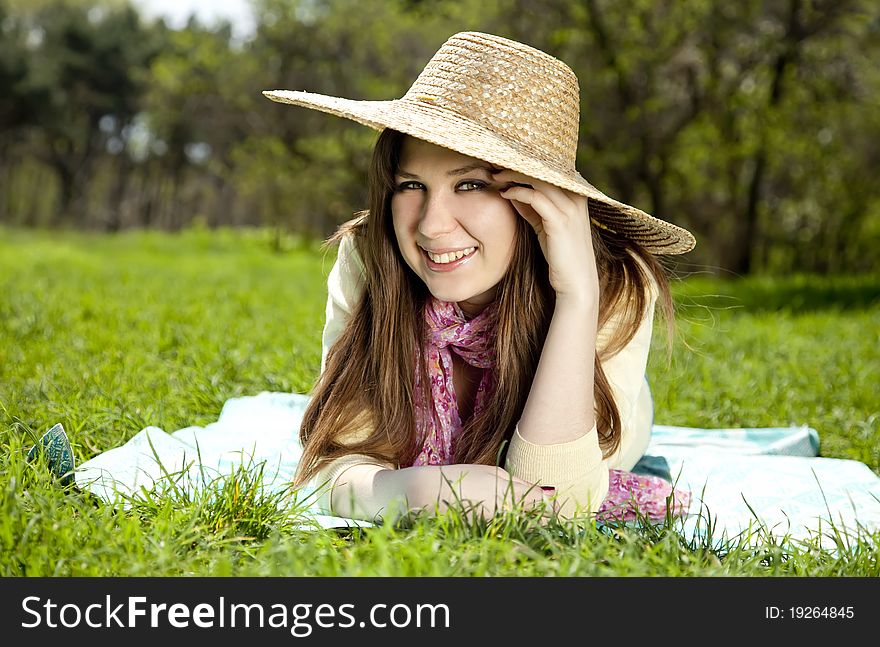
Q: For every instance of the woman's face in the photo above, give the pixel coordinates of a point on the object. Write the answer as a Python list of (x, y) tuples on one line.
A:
[(446, 206)]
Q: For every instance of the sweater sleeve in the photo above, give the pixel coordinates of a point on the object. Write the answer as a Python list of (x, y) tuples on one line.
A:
[(344, 286), (626, 372), (576, 469), (332, 475)]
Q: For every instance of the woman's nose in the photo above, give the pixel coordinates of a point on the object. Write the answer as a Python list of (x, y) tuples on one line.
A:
[(438, 217)]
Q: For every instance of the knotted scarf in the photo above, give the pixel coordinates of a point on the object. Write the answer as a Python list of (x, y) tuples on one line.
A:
[(473, 340)]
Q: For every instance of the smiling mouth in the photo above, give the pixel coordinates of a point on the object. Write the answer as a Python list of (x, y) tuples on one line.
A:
[(450, 257)]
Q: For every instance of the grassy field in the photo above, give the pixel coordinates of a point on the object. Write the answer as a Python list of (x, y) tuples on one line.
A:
[(110, 334)]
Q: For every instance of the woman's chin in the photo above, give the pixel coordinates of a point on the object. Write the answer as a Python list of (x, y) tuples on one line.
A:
[(467, 299), (445, 295)]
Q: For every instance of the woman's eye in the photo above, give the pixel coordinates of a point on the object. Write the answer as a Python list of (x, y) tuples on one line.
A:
[(403, 186)]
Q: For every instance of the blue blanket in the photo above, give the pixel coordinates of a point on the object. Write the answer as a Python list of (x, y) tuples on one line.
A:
[(741, 479), (764, 480)]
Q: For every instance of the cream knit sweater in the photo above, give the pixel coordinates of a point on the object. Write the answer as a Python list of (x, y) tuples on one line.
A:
[(576, 469)]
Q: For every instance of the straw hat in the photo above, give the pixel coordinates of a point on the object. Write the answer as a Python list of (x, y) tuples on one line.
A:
[(510, 105)]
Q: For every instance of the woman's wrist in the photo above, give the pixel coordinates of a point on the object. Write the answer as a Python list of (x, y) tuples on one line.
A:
[(407, 488), (583, 302)]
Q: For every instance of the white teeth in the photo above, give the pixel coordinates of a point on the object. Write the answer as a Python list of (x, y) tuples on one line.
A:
[(449, 257)]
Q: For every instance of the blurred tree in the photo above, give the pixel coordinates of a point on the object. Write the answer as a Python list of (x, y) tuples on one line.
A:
[(690, 106), (83, 66), (820, 201), (771, 70), (754, 124), (14, 106), (198, 105)]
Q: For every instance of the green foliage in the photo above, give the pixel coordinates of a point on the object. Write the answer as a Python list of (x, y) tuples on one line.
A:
[(77, 80), (108, 335), (753, 123)]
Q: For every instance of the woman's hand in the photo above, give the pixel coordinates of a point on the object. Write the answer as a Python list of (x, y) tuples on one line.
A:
[(562, 223), (480, 489)]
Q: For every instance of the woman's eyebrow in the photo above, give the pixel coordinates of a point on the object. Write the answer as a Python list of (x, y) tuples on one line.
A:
[(457, 171)]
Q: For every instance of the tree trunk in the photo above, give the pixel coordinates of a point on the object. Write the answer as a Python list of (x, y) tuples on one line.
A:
[(748, 230), (113, 207)]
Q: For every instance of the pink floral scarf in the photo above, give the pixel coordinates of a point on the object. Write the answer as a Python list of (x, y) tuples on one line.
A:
[(448, 331), (439, 424)]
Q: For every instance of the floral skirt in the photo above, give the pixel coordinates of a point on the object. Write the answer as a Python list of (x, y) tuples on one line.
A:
[(633, 495)]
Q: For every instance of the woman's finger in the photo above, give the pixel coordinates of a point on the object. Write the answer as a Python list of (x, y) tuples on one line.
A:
[(518, 481), (541, 205), (532, 497), (529, 214), (562, 199)]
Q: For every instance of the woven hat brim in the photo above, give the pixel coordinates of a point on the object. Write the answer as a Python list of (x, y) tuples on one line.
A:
[(445, 128)]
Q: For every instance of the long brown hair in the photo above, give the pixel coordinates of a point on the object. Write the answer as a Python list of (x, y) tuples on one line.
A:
[(369, 370)]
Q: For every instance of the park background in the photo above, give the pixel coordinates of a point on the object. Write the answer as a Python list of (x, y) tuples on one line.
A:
[(754, 124), (160, 223)]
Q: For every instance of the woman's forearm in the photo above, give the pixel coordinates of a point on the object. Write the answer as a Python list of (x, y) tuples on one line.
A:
[(560, 405), (367, 491)]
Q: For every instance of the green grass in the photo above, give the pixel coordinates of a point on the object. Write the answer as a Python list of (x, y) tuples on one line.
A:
[(110, 334)]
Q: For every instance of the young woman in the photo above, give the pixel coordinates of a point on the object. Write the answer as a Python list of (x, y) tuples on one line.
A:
[(489, 315)]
